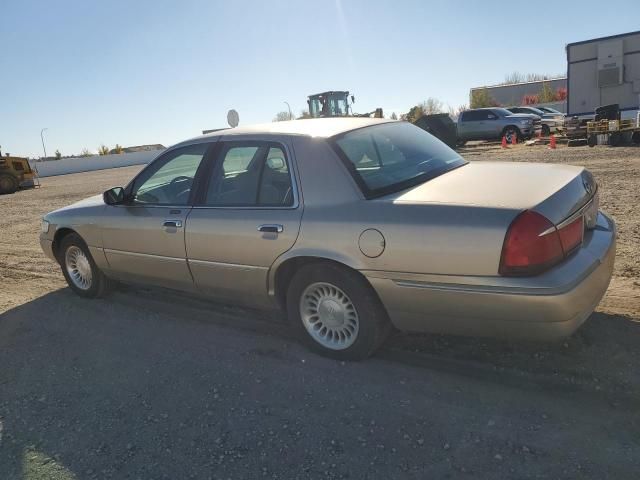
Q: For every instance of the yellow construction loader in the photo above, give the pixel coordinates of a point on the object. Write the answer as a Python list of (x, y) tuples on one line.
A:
[(15, 173)]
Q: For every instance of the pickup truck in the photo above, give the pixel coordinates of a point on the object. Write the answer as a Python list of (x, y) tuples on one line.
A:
[(494, 123)]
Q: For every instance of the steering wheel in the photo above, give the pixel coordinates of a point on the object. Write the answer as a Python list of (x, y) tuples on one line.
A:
[(181, 178), (176, 180)]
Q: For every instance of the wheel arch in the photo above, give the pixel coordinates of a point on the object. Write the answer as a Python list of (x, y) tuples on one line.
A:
[(60, 234), (515, 127), (282, 272)]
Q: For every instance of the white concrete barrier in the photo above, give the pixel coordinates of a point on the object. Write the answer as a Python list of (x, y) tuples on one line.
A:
[(96, 162)]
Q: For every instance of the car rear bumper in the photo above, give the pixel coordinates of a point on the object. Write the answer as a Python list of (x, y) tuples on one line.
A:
[(545, 307)]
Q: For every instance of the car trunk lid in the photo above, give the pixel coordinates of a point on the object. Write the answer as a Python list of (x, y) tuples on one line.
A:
[(555, 191)]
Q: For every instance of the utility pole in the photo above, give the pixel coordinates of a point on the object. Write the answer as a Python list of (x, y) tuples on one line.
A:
[(42, 138), (290, 114)]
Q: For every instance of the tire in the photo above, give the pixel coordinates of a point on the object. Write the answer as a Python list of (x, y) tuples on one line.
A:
[(546, 131), (323, 297), (592, 141), (509, 131), (80, 270), (8, 184), (615, 139), (635, 138)]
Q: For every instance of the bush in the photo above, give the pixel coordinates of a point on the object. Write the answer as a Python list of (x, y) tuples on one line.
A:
[(482, 98)]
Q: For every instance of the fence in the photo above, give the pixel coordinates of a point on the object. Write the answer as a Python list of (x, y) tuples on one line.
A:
[(97, 162)]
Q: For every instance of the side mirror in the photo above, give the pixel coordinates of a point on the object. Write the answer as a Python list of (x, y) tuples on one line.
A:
[(114, 196)]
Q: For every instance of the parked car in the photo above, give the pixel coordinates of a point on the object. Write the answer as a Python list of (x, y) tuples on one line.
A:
[(352, 226), (495, 123), (550, 110), (550, 122)]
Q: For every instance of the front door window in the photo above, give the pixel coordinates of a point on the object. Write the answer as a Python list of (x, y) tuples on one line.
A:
[(169, 181)]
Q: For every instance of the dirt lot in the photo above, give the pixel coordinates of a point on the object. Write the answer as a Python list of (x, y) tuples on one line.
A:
[(152, 384)]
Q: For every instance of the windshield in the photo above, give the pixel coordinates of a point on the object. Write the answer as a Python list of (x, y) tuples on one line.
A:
[(502, 111), (394, 156), (532, 110)]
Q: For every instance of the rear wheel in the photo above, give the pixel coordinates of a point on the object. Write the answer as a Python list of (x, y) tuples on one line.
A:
[(546, 131), (79, 269), (615, 139), (510, 132), (592, 141), (336, 312), (8, 184)]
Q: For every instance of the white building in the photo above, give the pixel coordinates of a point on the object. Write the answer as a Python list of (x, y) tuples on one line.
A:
[(604, 71), (513, 94)]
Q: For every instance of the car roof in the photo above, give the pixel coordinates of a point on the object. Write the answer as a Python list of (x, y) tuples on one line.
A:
[(312, 127)]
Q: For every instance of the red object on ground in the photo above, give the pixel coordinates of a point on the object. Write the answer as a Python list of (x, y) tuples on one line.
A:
[(552, 142), (504, 141), (514, 139)]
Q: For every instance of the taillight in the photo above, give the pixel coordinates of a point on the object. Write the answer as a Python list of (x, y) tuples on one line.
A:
[(571, 235), (532, 245)]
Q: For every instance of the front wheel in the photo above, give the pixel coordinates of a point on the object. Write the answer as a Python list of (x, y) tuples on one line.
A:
[(79, 269), (336, 312), (8, 184), (510, 132)]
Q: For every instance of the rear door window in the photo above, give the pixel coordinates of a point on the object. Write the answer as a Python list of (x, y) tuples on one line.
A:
[(253, 174)]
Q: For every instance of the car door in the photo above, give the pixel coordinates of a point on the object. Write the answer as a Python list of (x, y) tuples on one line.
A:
[(143, 238), (470, 127), (489, 125), (249, 214)]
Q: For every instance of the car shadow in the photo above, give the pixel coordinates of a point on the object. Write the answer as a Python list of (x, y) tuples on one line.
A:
[(602, 355), (76, 375)]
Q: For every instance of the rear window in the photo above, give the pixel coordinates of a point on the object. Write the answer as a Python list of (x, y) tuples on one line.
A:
[(393, 156), (474, 115)]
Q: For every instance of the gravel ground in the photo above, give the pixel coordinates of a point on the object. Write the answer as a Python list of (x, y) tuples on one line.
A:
[(152, 384)]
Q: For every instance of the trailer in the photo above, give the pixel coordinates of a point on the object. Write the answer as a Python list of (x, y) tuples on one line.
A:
[(604, 71)]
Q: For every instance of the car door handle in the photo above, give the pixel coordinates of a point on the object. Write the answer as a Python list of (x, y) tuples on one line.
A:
[(271, 228), (172, 224)]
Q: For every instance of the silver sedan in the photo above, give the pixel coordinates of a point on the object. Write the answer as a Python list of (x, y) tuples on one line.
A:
[(353, 227)]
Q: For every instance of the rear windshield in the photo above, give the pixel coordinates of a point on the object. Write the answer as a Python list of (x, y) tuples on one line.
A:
[(393, 156)]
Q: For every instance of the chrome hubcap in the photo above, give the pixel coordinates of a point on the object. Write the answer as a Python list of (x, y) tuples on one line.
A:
[(78, 267), (329, 316)]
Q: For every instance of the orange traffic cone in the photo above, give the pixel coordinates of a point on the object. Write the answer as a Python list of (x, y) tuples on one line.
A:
[(552, 142), (504, 141)]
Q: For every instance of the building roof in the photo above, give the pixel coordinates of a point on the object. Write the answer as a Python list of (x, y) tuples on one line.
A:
[(144, 148), (313, 127), (499, 85), (599, 39)]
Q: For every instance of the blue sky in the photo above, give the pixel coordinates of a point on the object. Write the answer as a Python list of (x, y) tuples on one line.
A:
[(134, 72)]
